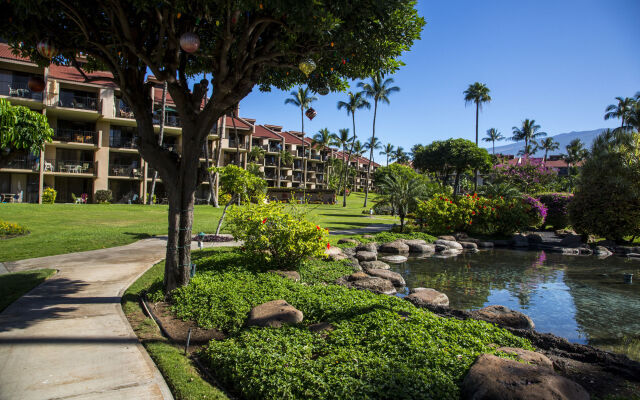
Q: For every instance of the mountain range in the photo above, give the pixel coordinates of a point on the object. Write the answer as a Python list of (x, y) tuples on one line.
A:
[(563, 139)]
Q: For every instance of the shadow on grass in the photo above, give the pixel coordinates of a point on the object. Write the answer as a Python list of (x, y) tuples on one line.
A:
[(138, 235)]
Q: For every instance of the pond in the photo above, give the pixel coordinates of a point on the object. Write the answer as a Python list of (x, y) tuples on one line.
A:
[(581, 298)]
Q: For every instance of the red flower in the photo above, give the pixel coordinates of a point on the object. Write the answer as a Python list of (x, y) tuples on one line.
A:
[(493, 209), (264, 220), (328, 246), (317, 227), (470, 222), (473, 213)]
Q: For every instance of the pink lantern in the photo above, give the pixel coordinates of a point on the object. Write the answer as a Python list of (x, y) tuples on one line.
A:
[(190, 42), (36, 84), (46, 49), (311, 113)]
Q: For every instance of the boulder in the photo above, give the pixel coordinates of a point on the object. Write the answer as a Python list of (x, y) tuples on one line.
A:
[(409, 242), (496, 378), (450, 244), (460, 236), (469, 246), (519, 240), (371, 247), (440, 247), (368, 237), (567, 251), (448, 253), (395, 247), (356, 276), (293, 275), (503, 316), (424, 297), (349, 252), (395, 259), (391, 276), (529, 357), (375, 284), (335, 254), (347, 240), (564, 232), (274, 314), (602, 251), (571, 240), (485, 245), (585, 251), (449, 238), (366, 256), (535, 238), (374, 265), (420, 246)]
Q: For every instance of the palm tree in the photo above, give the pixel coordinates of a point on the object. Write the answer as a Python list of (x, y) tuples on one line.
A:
[(492, 136), (284, 158), (402, 193), (575, 153), (303, 99), (528, 132), (620, 110), (256, 153), (160, 137), (477, 93), (354, 103), (548, 144), (358, 151), (379, 90), (323, 140), (388, 151), (401, 156), (342, 141)]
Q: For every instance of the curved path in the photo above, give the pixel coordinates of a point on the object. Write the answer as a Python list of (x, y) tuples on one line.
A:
[(69, 339)]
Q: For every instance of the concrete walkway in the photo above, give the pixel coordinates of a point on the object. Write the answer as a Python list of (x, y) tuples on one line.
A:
[(69, 339)]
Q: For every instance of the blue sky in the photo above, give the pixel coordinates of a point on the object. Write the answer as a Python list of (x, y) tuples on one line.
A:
[(559, 62)]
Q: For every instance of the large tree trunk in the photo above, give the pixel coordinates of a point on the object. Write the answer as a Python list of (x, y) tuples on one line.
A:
[(353, 142), (373, 136), (160, 138)]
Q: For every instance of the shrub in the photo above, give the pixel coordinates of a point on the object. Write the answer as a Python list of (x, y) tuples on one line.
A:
[(104, 196), (557, 209), (528, 177), (49, 196), (479, 215), (277, 233), (8, 229), (381, 209)]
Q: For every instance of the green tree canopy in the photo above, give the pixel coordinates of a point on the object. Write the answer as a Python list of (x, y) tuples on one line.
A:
[(22, 129), (452, 156)]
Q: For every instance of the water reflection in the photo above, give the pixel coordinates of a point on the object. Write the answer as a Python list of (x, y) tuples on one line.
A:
[(581, 298)]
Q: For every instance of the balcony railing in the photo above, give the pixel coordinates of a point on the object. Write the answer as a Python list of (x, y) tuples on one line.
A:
[(297, 177), (297, 165), (284, 177), (69, 166), (18, 89), (75, 136), (232, 143), (169, 120), (20, 163), (270, 176), (124, 143), (79, 102), (274, 148), (123, 110), (316, 157), (270, 162), (125, 170)]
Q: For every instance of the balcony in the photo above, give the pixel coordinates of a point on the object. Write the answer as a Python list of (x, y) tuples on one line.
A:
[(274, 148), (78, 101), (18, 89), (271, 175), (124, 143), (271, 162), (75, 136), (316, 157), (297, 165), (284, 177), (169, 120), (232, 144), (125, 170), (20, 163), (123, 110), (69, 166)]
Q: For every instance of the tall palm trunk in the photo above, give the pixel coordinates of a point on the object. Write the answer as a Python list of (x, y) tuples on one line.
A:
[(493, 146), (344, 162), (304, 160), (353, 142), (475, 183), (160, 137), (373, 136)]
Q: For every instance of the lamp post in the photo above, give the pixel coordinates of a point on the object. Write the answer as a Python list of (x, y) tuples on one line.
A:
[(201, 236)]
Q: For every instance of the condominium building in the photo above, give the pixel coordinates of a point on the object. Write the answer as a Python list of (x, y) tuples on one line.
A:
[(94, 146)]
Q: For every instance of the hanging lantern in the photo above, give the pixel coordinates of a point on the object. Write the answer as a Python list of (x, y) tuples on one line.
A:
[(311, 113), (36, 84), (323, 91), (190, 42), (46, 49), (307, 66)]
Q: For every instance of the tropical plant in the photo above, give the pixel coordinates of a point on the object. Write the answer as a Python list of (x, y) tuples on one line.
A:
[(49, 195), (528, 176), (634, 114), (575, 153), (342, 141), (606, 202), (389, 152), (8, 229), (557, 208), (134, 39), (504, 189), (256, 153), (286, 158), (478, 94), (379, 90), (548, 144), (355, 102), (22, 129), (104, 196), (302, 98), (622, 110), (401, 156), (402, 193), (323, 140), (528, 132), (493, 136)]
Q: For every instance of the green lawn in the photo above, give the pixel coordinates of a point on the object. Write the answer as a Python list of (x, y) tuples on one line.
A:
[(14, 285), (67, 228)]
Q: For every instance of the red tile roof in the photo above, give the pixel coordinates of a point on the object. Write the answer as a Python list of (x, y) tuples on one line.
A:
[(157, 96), (5, 52), (71, 74), (264, 132), (240, 124)]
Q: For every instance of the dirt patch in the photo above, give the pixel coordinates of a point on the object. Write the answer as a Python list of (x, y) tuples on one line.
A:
[(177, 330)]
